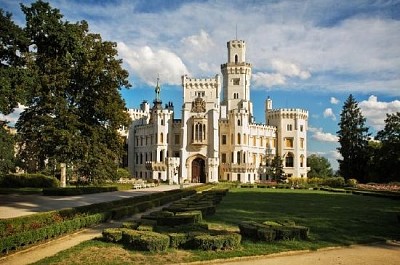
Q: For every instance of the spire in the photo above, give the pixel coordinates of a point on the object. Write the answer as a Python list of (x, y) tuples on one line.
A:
[(157, 90)]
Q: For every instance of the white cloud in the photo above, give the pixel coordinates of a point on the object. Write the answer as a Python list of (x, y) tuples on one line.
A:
[(268, 80), (328, 113), (375, 111), (334, 101), (13, 117), (148, 63), (289, 69), (319, 135)]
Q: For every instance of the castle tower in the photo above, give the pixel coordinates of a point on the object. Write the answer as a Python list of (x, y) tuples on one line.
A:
[(236, 78), (291, 138)]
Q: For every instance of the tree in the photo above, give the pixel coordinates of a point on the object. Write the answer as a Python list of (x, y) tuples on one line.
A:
[(275, 168), (389, 155), (320, 167), (75, 109), (6, 151), (353, 140)]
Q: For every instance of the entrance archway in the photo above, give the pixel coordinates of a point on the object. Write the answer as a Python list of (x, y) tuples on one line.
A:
[(199, 170)]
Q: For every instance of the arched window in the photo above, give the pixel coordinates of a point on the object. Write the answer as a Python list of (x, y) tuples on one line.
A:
[(289, 161), (238, 122), (238, 138), (199, 132), (302, 161), (161, 138), (236, 58)]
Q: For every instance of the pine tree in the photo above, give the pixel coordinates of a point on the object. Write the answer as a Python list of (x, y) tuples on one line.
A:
[(353, 140)]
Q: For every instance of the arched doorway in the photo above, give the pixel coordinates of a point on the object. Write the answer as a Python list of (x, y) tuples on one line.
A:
[(198, 170)]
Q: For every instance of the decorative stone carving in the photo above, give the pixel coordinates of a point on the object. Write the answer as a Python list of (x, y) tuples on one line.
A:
[(198, 105)]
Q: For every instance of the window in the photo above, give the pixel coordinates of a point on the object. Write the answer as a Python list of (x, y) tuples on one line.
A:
[(238, 138), (289, 142), (236, 81), (161, 155), (289, 127), (238, 123), (177, 138), (261, 141), (161, 138), (200, 93), (224, 139), (301, 161), (236, 58), (198, 132), (301, 128), (176, 154), (223, 158), (301, 142), (289, 160), (238, 157), (235, 95), (162, 122)]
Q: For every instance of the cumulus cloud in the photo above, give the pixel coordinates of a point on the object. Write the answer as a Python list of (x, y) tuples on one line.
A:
[(147, 63), (268, 80), (328, 113), (283, 71), (319, 135), (13, 117), (289, 69), (334, 101), (375, 111)]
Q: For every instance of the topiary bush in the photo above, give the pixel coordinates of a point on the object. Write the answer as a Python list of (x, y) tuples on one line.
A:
[(217, 242), (145, 240), (29, 180)]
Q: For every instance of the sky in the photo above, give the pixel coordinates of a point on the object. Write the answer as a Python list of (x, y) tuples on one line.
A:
[(309, 54)]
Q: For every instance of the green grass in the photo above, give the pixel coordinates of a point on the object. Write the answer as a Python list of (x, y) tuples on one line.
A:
[(334, 219)]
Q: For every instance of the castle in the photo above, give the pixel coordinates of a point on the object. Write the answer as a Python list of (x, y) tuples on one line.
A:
[(216, 138)]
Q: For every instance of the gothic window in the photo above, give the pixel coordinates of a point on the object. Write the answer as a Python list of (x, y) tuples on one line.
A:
[(199, 132), (301, 128), (238, 157), (235, 95), (289, 160), (238, 123), (238, 138), (301, 142), (161, 138), (236, 58), (302, 161), (289, 127), (236, 81)]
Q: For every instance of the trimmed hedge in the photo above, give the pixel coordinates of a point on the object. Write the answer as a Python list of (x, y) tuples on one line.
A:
[(217, 242), (71, 191), (15, 241), (28, 180), (25, 230), (140, 240), (270, 231)]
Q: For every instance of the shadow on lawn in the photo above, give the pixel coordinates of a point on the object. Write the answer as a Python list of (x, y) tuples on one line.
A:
[(333, 218)]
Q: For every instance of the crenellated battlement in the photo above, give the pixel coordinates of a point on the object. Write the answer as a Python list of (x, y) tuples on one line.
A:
[(200, 83), (288, 113)]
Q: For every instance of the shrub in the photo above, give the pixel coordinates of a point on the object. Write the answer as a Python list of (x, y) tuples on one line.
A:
[(335, 182), (112, 234), (266, 234), (351, 183), (178, 240), (72, 191), (29, 180), (217, 242), (145, 240)]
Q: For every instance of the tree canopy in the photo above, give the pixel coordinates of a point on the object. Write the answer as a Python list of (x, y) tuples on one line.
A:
[(319, 167), (74, 108), (353, 140), (388, 159)]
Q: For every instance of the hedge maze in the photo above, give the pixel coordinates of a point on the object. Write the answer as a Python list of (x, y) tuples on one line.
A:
[(176, 226)]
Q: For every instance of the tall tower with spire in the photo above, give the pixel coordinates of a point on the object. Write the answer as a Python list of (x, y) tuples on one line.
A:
[(236, 78)]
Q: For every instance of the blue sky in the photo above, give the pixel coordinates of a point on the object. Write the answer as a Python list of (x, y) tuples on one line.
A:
[(305, 54)]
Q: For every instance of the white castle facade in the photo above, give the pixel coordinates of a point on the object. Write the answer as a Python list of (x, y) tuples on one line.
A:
[(216, 138)]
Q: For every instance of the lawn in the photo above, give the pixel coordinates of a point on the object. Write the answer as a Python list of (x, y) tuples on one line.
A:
[(334, 219)]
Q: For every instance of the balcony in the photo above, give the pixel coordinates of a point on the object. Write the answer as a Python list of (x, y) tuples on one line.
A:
[(156, 166), (238, 168)]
